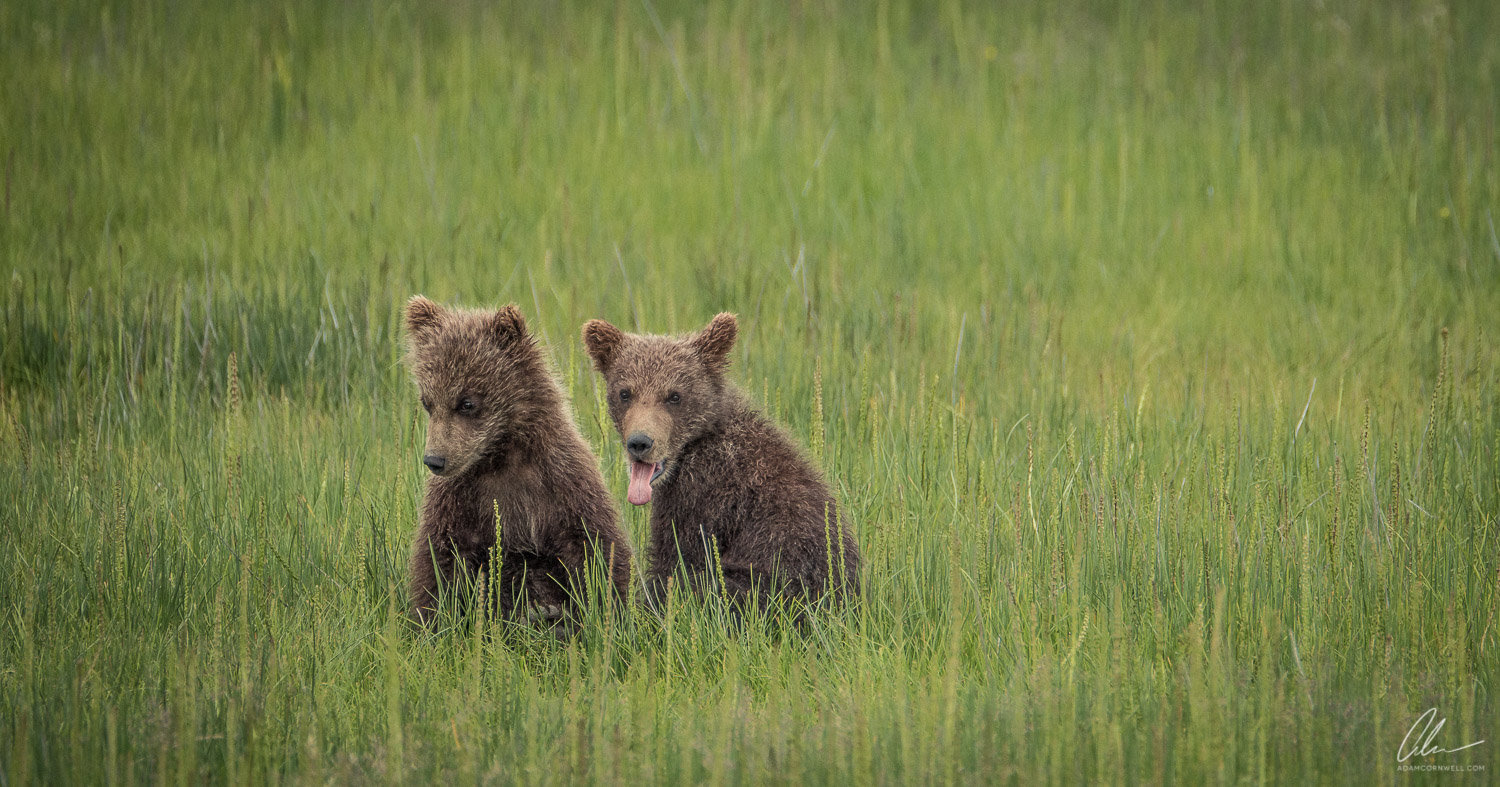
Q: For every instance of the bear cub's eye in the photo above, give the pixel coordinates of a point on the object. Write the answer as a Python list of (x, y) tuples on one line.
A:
[(427, 405), (625, 395), (674, 398), (466, 406)]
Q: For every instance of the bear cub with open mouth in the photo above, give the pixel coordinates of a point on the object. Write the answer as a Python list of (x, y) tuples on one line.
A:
[(500, 439), (718, 474)]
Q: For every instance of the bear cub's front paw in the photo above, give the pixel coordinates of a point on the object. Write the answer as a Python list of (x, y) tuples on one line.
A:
[(544, 613), (554, 617)]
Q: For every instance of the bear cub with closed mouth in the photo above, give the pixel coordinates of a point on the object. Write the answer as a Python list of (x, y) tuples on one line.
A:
[(500, 439), (718, 475)]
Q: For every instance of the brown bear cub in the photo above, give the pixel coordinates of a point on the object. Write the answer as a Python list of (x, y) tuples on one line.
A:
[(500, 439), (720, 477)]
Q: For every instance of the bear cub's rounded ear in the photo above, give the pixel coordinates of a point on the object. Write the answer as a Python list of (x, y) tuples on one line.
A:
[(507, 323), (422, 315), (603, 342), (716, 340)]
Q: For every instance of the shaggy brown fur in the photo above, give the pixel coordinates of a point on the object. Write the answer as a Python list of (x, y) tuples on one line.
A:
[(718, 474), (499, 435)]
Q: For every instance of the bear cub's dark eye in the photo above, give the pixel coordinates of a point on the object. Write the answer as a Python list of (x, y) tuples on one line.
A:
[(466, 406), (674, 398), (427, 405), (625, 395)]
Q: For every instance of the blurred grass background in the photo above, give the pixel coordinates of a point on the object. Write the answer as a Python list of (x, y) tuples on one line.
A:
[(1120, 332)]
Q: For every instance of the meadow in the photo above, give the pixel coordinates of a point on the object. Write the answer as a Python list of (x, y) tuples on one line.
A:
[(1151, 350)]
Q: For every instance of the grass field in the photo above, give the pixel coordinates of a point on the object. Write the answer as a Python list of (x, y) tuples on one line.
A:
[(1154, 354)]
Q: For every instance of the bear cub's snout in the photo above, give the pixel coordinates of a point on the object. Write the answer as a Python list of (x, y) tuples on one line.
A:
[(639, 445)]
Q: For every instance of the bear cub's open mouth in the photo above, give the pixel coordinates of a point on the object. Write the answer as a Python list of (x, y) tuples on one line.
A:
[(642, 476)]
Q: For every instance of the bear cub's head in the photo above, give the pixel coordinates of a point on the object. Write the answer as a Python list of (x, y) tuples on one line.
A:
[(481, 379), (663, 392)]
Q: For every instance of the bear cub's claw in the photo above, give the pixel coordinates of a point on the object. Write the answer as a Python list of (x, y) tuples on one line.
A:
[(538, 613)]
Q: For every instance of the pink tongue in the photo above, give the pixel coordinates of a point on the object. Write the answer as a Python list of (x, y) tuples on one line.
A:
[(640, 483)]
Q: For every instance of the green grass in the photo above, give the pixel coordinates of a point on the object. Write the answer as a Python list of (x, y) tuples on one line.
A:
[(1120, 334)]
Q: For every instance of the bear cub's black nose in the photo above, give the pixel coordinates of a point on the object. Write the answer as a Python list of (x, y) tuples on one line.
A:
[(434, 463), (638, 444)]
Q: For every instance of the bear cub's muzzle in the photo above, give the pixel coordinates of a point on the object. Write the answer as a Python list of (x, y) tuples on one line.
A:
[(643, 469)]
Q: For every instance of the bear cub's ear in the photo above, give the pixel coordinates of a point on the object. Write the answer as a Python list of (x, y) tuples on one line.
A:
[(714, 342), (603, 342), (507, 323), (422, 315)]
